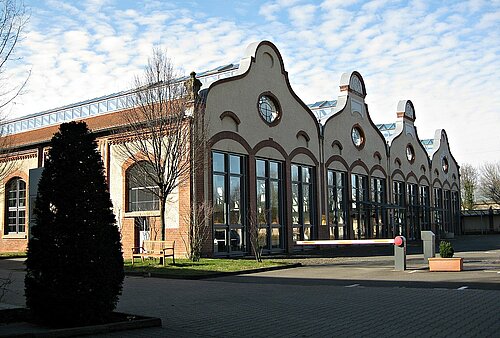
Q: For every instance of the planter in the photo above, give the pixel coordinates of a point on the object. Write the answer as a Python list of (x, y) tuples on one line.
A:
[(446, 264)]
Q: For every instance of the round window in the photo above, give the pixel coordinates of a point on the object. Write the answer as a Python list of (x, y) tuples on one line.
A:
[(410, 153), (268, 109), (445, 164), (358, 137)]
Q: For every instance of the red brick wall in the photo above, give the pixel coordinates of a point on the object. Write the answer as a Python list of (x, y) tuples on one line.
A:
[(13, 245), (129, 235)]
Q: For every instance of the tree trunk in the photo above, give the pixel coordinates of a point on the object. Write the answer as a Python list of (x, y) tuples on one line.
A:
[(163, 202)]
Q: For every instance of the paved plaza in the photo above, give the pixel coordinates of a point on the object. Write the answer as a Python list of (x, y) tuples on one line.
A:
[(330, 297)]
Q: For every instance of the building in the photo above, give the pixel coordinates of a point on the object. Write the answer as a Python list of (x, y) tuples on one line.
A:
[(291, 171)]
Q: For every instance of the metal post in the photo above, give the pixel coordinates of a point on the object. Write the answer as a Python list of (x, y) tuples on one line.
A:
[(400, 253), (429, 240)]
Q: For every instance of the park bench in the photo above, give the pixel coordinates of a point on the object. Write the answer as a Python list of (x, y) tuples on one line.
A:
[(154, 249)]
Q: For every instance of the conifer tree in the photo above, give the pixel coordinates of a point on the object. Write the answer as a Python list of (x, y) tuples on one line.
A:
[(75, 264)]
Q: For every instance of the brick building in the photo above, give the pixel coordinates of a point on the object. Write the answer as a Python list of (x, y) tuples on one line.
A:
[(294, 171)]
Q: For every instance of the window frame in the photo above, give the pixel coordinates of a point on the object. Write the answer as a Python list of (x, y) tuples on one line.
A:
[(301, 228), (224, 232), (337, 207), (17, 208), (134, 191), (266, 228)]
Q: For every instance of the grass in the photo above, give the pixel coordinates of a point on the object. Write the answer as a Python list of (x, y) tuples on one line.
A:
[(205, 267), (12, 254)]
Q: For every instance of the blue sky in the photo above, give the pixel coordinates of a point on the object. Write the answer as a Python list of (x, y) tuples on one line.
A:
[(442, 55)]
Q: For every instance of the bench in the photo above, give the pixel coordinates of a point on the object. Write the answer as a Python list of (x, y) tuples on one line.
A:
[(154, 249)]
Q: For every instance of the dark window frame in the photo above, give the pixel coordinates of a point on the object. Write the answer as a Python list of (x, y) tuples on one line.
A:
[(267, 226), (233, 241), (14, 211), (337, 207), (142, 193), (300, 184)]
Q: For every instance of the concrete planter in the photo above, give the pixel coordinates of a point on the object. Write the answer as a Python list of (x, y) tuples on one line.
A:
[(446, 264)]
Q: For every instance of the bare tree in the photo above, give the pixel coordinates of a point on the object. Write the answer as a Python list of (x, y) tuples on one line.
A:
[(257, 239), (198, 231), (469, 178), (490, 182), (160, 128), (13, 19)]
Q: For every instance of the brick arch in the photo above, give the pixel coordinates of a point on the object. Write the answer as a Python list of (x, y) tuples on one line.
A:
[(304, 151), (359, 163), (303, 134), (411, 174), (230, 115), (436, 180), (337, 158), (424, 178), (230, 135), (396, 172), (378, 167), (126, 165), (337, 144), (270, 144), (18, 173)]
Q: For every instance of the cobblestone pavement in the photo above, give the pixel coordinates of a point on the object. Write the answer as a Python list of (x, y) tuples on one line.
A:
[(328, 297), (219, 308)]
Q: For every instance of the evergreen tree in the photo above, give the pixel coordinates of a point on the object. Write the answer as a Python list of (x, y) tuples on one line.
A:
[(75, 264)]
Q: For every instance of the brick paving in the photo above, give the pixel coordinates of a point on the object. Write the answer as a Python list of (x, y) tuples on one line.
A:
[(329, 297), (228, 308)]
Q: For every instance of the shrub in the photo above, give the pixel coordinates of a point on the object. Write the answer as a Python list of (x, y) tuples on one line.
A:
[(446, 249), (74, 264)]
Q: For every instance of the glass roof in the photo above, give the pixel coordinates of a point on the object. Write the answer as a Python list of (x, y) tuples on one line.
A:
[(387, 129), (98, 106), (428, 144), (323, 109)]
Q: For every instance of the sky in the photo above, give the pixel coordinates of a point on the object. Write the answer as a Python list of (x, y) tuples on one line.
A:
[(444, 56)]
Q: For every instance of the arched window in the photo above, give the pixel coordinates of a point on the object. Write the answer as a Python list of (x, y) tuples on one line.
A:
[(142, 191), (15, 206)]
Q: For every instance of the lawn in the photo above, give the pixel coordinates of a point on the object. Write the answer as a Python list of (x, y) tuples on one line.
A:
[(185, 268), (12, 254)]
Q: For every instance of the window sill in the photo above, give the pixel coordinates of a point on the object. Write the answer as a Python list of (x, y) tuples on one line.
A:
[(15, 236), (141, 213)]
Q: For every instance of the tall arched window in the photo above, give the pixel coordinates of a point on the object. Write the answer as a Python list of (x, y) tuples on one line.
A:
[(15, 206), (142, 191)]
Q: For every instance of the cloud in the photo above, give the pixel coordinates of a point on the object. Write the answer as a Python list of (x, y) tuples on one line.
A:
[(442, 56), (268, 11), (302, 15)]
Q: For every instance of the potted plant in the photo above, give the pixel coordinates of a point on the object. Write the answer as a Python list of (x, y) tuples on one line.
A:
[(446, 262)]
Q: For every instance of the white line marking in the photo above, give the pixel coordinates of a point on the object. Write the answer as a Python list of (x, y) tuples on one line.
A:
[(352, 286), (412, 271), (462, 288)]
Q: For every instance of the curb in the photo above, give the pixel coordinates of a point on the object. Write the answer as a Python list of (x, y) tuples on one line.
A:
[(211, 275), (133, 322)]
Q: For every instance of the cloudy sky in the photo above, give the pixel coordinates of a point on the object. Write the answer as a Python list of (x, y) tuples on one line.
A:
[(442, 55)]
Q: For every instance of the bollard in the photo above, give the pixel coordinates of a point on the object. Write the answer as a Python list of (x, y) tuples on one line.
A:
[(399, 253), (429, 240)]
